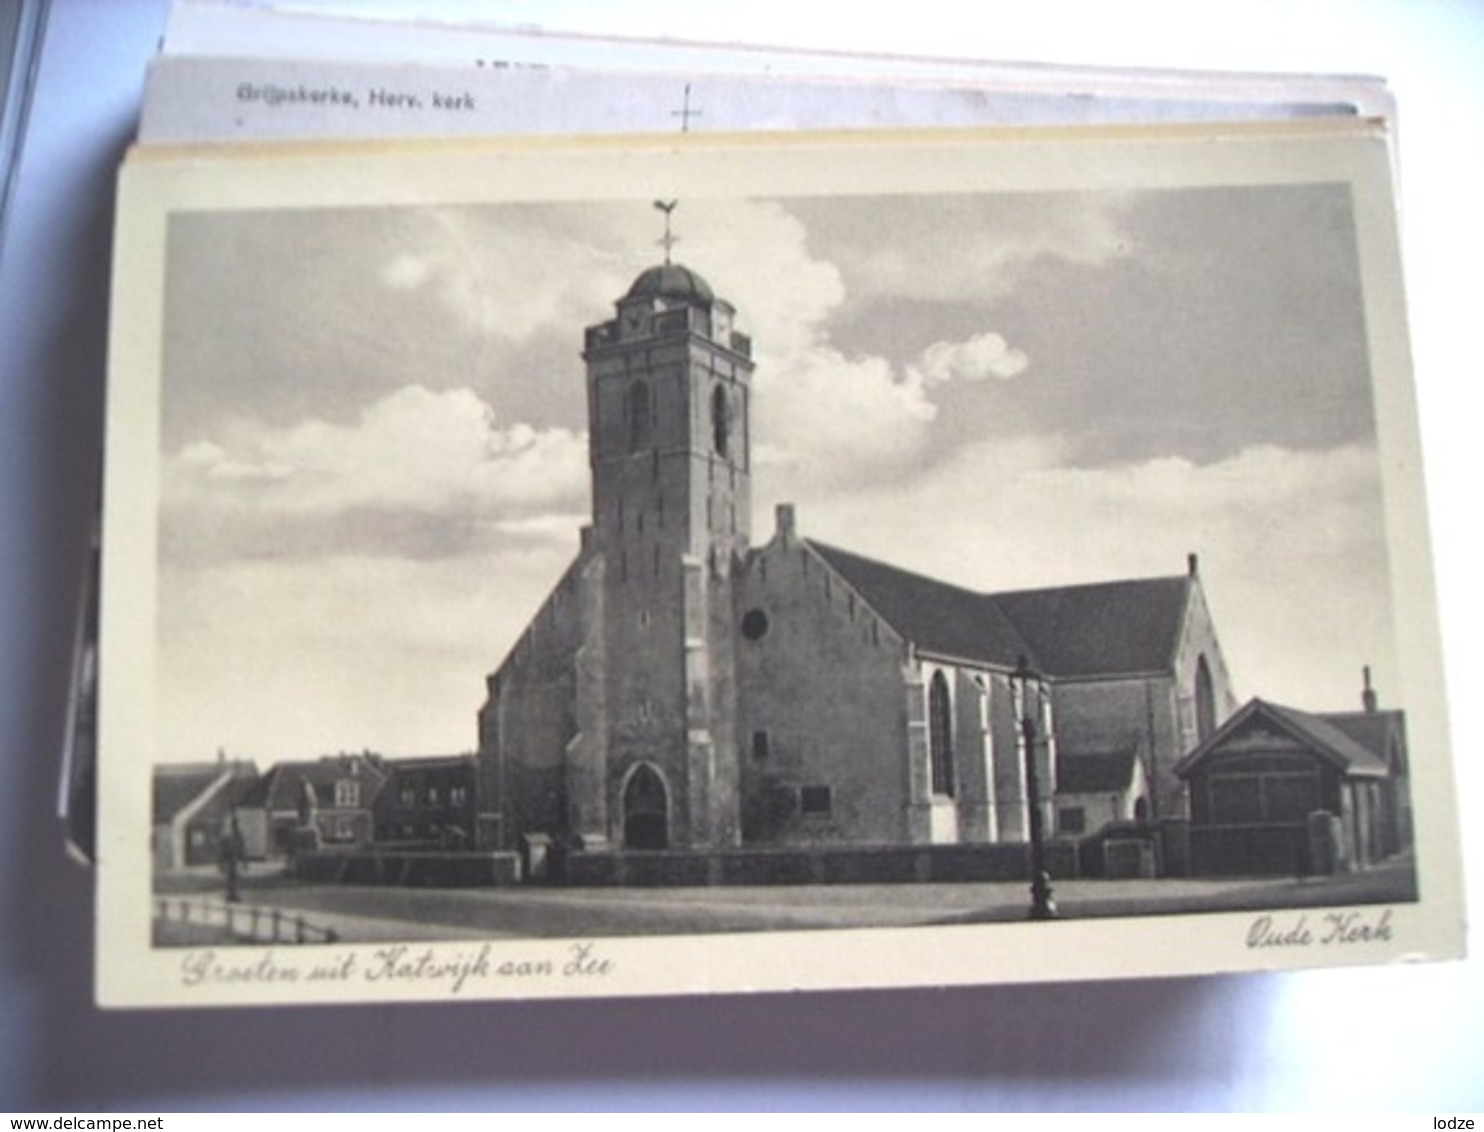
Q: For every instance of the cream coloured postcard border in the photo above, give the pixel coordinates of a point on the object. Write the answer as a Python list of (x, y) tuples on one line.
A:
[(156, 183)]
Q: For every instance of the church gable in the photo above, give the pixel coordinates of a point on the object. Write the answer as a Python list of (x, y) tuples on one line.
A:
[(822, 704)]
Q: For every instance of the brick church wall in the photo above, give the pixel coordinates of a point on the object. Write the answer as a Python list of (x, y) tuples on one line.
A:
[(823, 698), (527, 722)]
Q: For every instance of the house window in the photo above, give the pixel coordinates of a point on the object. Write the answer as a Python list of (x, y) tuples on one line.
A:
[(435, 796), (1071, 819), (458, 795), (407, 796), (761, 744), (940, 734), (347, 794), (815, 801)]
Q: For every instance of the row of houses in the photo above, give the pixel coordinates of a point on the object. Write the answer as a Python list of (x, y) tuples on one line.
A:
[(347, 801)]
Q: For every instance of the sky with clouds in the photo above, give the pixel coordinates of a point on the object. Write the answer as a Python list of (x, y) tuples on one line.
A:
[(375, 453)]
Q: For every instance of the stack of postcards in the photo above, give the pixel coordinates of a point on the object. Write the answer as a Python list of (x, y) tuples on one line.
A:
[(591, 517)]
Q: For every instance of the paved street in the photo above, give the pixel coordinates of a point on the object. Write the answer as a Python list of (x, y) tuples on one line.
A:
[(367, 914)]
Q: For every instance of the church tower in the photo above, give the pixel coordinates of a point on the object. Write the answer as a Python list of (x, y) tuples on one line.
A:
[(668, 387)]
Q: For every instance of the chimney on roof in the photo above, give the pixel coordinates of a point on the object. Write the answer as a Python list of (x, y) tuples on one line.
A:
[(1193, 564), (1368, 694), (787, 522)]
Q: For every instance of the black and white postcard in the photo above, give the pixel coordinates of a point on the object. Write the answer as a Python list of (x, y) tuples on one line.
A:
[(709, 564)]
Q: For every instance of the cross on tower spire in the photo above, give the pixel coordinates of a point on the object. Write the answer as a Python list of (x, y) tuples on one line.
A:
[(685, 113), (668, 240)]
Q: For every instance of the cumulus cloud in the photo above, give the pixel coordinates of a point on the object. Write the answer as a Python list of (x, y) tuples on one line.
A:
[(967, 248), (825, 419), (281, 658), (506, 275), (414, 465), (389, 652), (982, 356)]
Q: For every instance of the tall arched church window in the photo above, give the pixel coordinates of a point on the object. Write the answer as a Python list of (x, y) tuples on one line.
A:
[(940, 734), (640, 415), (721, 420), (1205, 701)]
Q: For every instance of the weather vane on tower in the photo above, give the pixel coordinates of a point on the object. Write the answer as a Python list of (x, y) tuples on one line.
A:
[(668, 240)]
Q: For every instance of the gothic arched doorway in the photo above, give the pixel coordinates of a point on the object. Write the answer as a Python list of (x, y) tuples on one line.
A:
[(646, 810)]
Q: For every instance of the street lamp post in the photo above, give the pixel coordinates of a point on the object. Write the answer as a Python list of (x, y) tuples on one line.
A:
[(232, 859), (1032, 686)]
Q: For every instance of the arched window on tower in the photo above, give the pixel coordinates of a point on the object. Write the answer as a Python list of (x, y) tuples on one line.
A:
[(721, 420), (1205, 701), (640, 413), (940, 735)]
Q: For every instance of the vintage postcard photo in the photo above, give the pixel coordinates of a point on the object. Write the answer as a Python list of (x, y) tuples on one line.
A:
[(711, 564)]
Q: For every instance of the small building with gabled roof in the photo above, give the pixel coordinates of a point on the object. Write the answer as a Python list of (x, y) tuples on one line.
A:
[(1099, 789), (1280, 790)]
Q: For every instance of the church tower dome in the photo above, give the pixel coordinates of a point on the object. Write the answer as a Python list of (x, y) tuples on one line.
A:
[(671, 281)]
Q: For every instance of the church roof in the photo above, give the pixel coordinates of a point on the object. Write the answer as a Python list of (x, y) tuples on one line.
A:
[(670, 281), (1379, 732), (1104, 773), (1105, 628), (1102, 628), (931, 614)]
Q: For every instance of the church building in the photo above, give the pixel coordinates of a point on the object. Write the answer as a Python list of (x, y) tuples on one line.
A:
[(687, 687)]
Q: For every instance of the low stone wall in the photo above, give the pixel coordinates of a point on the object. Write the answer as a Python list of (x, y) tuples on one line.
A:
[(1130, 850), (922, 864), (406, 869), (865, 865)]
